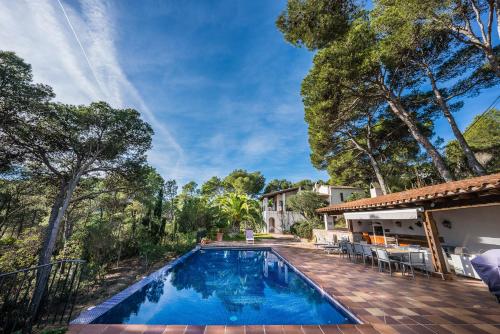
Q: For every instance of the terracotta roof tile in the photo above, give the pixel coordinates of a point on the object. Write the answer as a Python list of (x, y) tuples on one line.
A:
[(449, 189)]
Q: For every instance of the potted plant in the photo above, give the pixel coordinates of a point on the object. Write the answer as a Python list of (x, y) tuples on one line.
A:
[(220, 234)]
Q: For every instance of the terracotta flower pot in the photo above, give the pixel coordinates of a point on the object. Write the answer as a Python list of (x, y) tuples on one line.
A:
[(219, 236)]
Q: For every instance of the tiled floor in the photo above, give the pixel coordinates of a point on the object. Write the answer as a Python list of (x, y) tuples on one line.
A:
[(385, 304)]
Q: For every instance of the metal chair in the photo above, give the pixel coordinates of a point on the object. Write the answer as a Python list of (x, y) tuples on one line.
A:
[(367, 253), (414, 260), (383, 259), (358, 251), (350, 251), (343, 248)]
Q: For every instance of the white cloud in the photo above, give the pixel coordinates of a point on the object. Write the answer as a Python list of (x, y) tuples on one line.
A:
[(39, 32)]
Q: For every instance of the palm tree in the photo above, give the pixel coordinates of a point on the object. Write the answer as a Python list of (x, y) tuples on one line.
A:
[(239, 208)]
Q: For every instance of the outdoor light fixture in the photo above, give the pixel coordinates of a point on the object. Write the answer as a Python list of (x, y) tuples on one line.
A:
[(446, 223)]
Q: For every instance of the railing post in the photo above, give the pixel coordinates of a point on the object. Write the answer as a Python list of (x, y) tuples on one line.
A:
[(39, 295)]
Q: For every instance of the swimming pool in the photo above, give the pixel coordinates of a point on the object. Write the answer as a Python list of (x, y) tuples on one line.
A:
[(227, 287)]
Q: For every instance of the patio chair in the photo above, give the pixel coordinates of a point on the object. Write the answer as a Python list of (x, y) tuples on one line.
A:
[(367, 253), (383, 260), (350, 251), (414, 260), (343, 248), (249, 236), (358, 251)]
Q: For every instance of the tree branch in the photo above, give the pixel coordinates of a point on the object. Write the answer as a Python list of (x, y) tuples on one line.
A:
[(479, 21)]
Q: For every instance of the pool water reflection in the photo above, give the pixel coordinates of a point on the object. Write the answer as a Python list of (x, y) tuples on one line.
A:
[(227, 287)]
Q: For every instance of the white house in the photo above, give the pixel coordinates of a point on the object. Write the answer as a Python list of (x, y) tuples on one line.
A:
[(279, 220)]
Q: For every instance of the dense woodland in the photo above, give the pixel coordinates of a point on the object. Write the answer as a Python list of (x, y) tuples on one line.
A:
[(75, 182)]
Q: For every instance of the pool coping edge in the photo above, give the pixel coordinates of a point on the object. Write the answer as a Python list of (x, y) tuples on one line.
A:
[(89, 315)]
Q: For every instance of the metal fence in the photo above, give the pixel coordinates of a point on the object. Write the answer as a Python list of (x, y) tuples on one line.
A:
[(21, 308)]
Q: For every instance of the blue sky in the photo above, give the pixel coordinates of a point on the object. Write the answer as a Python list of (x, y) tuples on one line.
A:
[(215, 78)]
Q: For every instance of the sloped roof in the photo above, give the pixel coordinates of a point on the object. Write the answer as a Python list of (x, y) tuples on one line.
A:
[(345, 187), (274, 193), (429, 193)]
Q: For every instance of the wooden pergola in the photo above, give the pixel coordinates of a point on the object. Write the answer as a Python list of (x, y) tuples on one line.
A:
[(468, 193)]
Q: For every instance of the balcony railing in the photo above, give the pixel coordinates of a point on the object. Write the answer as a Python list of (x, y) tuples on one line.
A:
[(21, 308)]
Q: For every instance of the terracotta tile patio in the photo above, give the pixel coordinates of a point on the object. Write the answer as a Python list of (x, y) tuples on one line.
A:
[(385, 304)]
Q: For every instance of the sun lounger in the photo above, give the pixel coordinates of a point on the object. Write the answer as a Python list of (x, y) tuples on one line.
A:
[(249, 236)]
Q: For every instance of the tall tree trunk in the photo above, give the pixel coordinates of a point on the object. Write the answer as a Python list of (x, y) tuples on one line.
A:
[(474, 165), (68, 228), (497, 3), (375, 165), (492, 59), (405, 116), (56, 215), (58, 210), (378, 174)]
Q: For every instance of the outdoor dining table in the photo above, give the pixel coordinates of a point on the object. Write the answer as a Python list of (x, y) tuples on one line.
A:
[(397, 253), (331, 247), (393, 251)]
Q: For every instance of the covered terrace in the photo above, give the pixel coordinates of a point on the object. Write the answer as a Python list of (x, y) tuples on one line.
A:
[(455, 218)]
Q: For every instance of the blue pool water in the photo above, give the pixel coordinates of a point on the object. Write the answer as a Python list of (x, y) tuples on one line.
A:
[(227, 287)]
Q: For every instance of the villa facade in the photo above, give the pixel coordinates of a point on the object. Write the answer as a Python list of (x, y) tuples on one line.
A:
[(278, 219)]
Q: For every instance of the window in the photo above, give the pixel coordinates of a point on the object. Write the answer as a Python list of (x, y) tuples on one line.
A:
[(341, 197)]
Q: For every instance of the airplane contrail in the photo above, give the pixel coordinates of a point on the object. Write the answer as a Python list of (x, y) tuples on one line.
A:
[(81, 46)]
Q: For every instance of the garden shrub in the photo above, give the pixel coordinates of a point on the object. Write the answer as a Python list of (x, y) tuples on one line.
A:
[(304, 229)]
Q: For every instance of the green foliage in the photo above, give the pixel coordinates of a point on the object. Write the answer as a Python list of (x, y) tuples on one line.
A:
[(193, 213), (21, 252), (150, 252), (304, 229), (306, 202), (244, 182), (305, 184), (239, 211), (355, 196), (315, 23), (275, 185), (213, 187), (483, 136), (340, 222), (190, 188)]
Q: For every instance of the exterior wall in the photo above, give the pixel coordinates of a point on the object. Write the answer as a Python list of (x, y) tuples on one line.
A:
[(282, 220), (332, 193), (477, 229), (322, 189), (335, 197), (408, 227)]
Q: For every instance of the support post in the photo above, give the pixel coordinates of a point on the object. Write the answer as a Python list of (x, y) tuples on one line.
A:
[(431, 232), (325, 220)]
